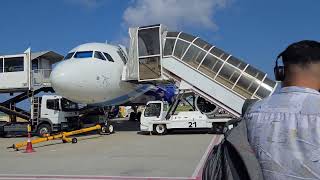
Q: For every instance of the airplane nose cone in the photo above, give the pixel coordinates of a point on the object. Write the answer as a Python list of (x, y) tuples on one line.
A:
[(76, 81), (60, 78), (70, 83)]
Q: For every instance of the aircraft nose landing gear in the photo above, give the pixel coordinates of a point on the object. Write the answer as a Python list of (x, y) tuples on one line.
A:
[(107, 128)]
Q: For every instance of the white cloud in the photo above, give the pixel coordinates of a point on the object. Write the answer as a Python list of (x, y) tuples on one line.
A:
[(174, 13)]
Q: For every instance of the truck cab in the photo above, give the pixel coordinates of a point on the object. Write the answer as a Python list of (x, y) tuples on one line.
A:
[(52, 113), (154, 111)]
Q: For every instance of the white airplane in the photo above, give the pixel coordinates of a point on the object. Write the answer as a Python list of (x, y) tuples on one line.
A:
[(91, 74)]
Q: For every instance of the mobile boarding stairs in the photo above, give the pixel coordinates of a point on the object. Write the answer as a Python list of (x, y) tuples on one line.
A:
[(158, 56)]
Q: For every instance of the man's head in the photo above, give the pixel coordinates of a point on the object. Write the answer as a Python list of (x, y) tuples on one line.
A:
[(302, 64)]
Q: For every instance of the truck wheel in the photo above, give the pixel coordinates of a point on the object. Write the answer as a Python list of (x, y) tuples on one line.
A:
[(74, 140), (43, 129), (160, 129)]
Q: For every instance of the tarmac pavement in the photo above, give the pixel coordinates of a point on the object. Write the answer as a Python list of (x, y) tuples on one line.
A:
[(125, 153)]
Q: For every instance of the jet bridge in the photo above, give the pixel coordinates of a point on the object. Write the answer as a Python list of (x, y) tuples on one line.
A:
[(27, 74), (156, 55)]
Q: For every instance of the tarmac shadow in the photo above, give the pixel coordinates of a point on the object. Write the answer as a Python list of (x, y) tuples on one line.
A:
[(175, 132), (125, 125)]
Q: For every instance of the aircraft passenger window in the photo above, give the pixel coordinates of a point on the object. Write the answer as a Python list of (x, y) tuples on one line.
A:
[(108, 57), (1, 65), (99, 55), (69, 55), (83, 54), (14, 64)]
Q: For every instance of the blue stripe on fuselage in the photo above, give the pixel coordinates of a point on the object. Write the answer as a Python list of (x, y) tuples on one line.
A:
[(127, 97)]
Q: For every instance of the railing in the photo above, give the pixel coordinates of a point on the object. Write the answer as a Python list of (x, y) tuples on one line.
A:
[(219, 66), (41, 77)]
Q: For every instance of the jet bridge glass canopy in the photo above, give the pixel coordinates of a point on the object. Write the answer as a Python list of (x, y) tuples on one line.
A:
[(218, 65)]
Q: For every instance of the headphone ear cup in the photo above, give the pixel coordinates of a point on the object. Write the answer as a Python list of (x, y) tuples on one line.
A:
[(279, 73)]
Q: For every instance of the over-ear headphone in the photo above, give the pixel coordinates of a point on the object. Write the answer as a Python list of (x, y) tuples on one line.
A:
[(279, 70)]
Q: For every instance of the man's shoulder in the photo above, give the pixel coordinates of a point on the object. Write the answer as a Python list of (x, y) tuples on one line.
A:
[(311, 104), (295, 102)]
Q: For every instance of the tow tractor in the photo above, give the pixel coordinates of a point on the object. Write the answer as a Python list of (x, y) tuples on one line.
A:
[(158, 117)]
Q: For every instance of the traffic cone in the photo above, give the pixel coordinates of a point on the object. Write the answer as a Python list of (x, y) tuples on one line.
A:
[(29, 148)]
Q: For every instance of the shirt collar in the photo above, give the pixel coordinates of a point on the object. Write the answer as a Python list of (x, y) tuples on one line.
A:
[(289, 89)]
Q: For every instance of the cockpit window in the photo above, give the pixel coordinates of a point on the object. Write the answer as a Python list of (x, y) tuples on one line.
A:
[(83, 54), (121, 54), (108, 57), (69, 55), (99, 55)]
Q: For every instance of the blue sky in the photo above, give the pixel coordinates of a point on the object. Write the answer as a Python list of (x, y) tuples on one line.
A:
[(253, 30)]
